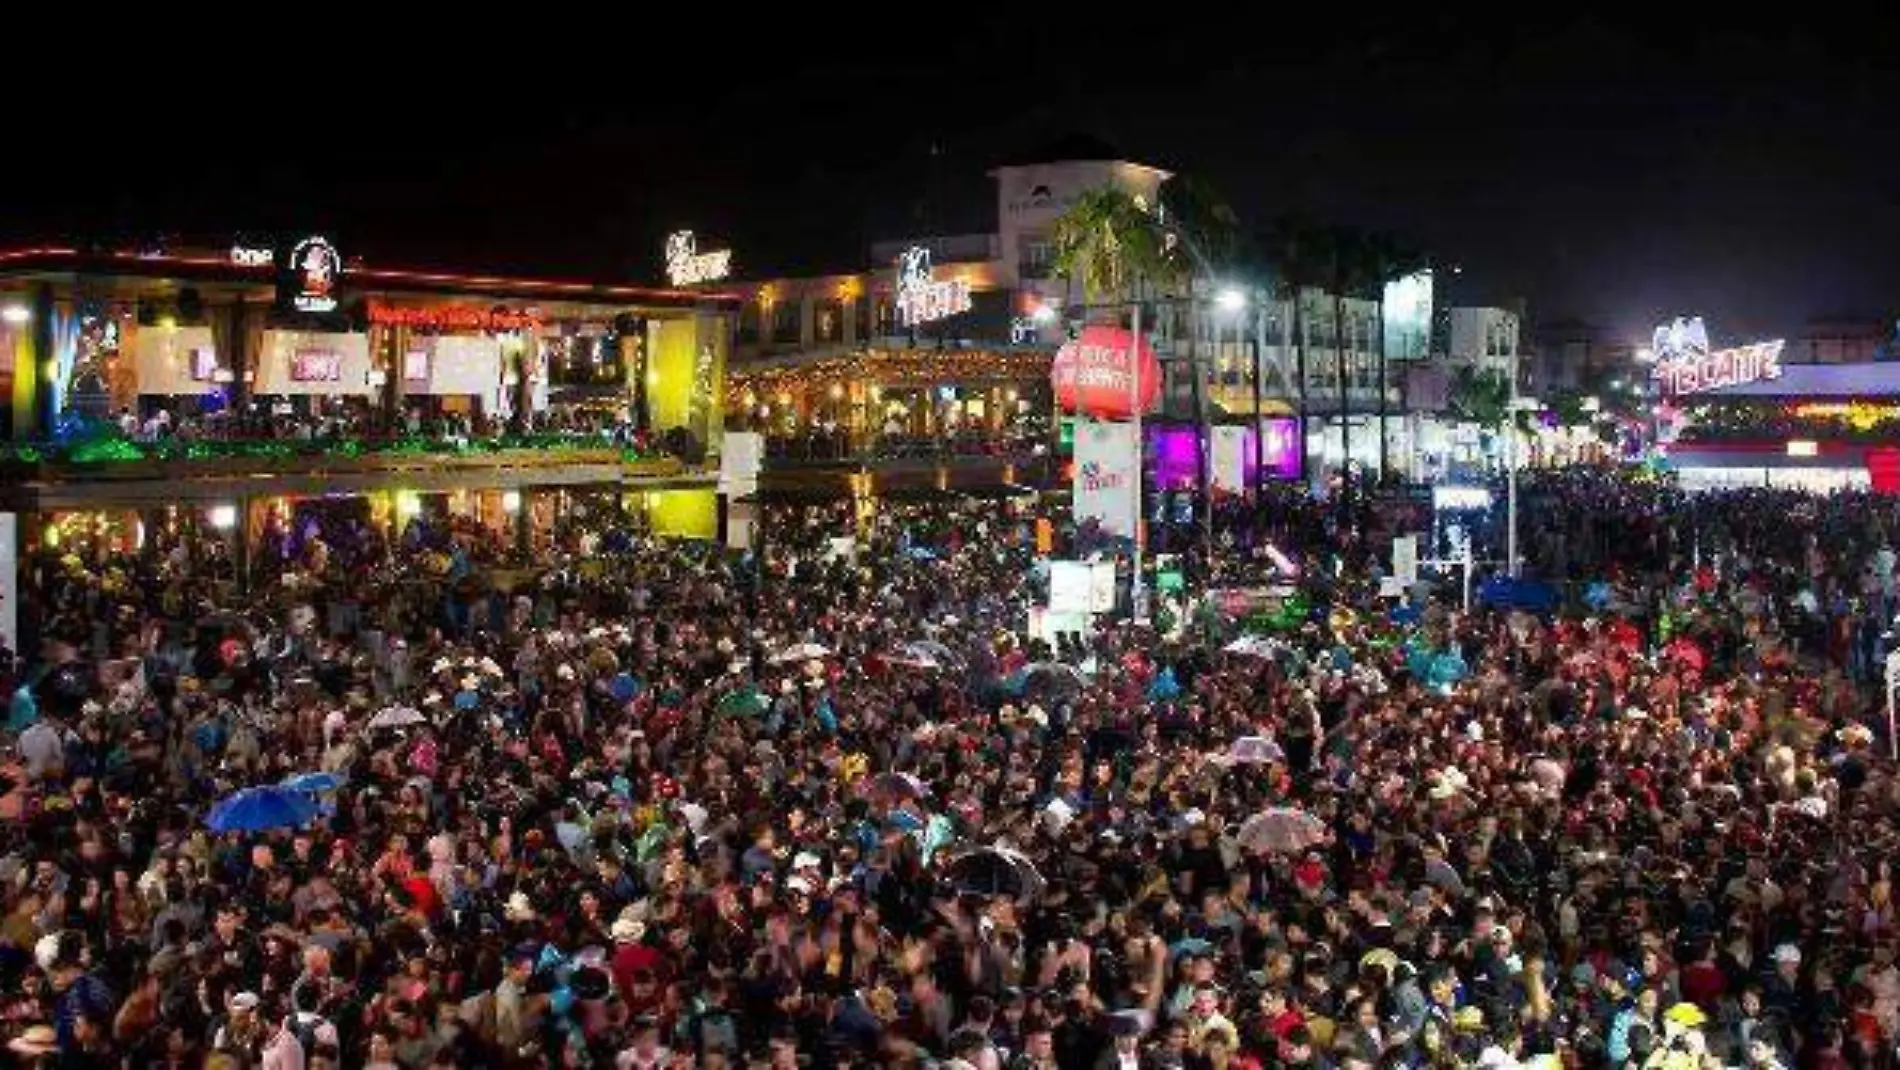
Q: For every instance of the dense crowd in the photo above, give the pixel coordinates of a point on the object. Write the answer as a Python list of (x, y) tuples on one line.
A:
[(829, 804)]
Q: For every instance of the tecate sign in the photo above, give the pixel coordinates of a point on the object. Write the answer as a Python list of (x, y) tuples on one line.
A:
[(1694, 373)]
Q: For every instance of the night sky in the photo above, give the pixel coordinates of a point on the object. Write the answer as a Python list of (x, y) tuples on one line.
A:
[(1617, 172)]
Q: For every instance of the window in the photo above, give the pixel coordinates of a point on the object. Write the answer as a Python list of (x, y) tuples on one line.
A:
[(1035, 257), (749, 317), (861, 313), (827, 321), (785, 321), (886, 317)]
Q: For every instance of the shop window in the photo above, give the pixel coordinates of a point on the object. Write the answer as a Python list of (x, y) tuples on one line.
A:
[(785, 322), (861, 314), (886, 317), (827, 321), (585, 362)]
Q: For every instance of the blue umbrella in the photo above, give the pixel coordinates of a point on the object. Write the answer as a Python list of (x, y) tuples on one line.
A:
[(1164, 687), (312, 783), (261, 809), (623, 687), (1598, 595)]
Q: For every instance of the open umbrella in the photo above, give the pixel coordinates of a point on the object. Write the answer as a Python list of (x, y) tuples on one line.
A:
[(996, 871), (1046, 677), (1282, 830), (260, 809), (801, 652), (1684, 652), (315, 783), (1255, 750), (396, 717), (911, 656), (745, 702)]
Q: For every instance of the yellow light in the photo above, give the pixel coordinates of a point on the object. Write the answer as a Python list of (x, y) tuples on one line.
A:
[(836, 391), (224, 517), (1010, 393), (408, 504), (511, 501), (52, 536), (784, 398), (1801, 447), (169, 323)]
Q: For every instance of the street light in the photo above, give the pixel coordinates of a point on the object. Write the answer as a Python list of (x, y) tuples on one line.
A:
[(15, 315), (1231, 299)]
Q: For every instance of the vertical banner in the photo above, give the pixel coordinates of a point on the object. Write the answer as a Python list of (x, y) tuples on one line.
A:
[(740, 458), (1230, 459), (1405, 560), (10, 583), (1106, 476)]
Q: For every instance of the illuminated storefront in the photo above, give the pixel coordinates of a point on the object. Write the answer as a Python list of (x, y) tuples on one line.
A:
[(1822, 427), (306, 331)]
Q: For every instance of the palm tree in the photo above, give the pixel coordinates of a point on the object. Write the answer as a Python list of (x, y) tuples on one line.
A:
[(1112, 245), (1299, 255), (1388, 259)]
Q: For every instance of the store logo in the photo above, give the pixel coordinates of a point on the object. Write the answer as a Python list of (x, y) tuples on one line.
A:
[(686, 265), (922, 299), (314, 267), (1096, 479)]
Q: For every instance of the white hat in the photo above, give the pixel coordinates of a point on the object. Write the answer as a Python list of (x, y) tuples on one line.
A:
[(245, 1001), (518, 908), (627, 930), (1789, 954), (798, 884), (805, 860)]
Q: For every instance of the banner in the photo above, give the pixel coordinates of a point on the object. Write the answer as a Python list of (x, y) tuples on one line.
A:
[(1107, 476), (741, 455), (1229, 461), (1070, 588), (1405, 560)]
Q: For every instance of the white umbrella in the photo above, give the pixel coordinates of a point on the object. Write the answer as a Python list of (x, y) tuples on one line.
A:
[(1281, 829), (1252, 646), (396, 717), (1255, 750), (800, 652)]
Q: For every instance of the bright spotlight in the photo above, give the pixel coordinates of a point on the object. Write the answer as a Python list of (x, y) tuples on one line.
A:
[(1044, 313), (15, 314), (1231, 299)]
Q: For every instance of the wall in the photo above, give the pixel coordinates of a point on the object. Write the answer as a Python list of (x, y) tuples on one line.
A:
[(684, 513), (162, 359), (281, 347), (459, 364), (1030, 198)]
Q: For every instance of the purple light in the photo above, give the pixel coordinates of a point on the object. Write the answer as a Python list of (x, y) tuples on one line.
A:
[(1175, 459)]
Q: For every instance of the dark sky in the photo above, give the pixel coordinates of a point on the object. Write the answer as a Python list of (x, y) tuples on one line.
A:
[(1616, 171)]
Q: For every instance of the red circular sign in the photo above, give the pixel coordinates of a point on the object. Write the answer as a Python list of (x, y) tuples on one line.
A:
[(1106, 372)]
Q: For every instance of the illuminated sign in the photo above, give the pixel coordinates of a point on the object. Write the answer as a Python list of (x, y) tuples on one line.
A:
[(246, 256), (1460, 498), (1680, 338), (1691, 372), (316, 366), (922, 299), (455, 318), (415, 366), (686, 265), (1859, 415), (314, 267), (1407, 316)]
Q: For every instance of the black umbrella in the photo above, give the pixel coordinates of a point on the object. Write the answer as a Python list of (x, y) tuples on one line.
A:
[(995, 871)]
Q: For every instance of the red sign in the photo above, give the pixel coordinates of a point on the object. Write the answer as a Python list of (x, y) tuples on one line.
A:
[(455, 318), (1106, 372), (1883, 470)]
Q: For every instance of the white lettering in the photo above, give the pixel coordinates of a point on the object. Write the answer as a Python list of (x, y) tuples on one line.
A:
[(687, 266)]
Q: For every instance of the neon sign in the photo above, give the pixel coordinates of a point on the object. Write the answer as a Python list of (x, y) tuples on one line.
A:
[(686, 265), (1694, 373), (247, 256), (455, 318), (314, 266), (922, 299), (1859, 415)]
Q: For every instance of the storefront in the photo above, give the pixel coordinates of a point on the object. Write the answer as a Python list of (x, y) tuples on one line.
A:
[(1820, 427), (302, 331)]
